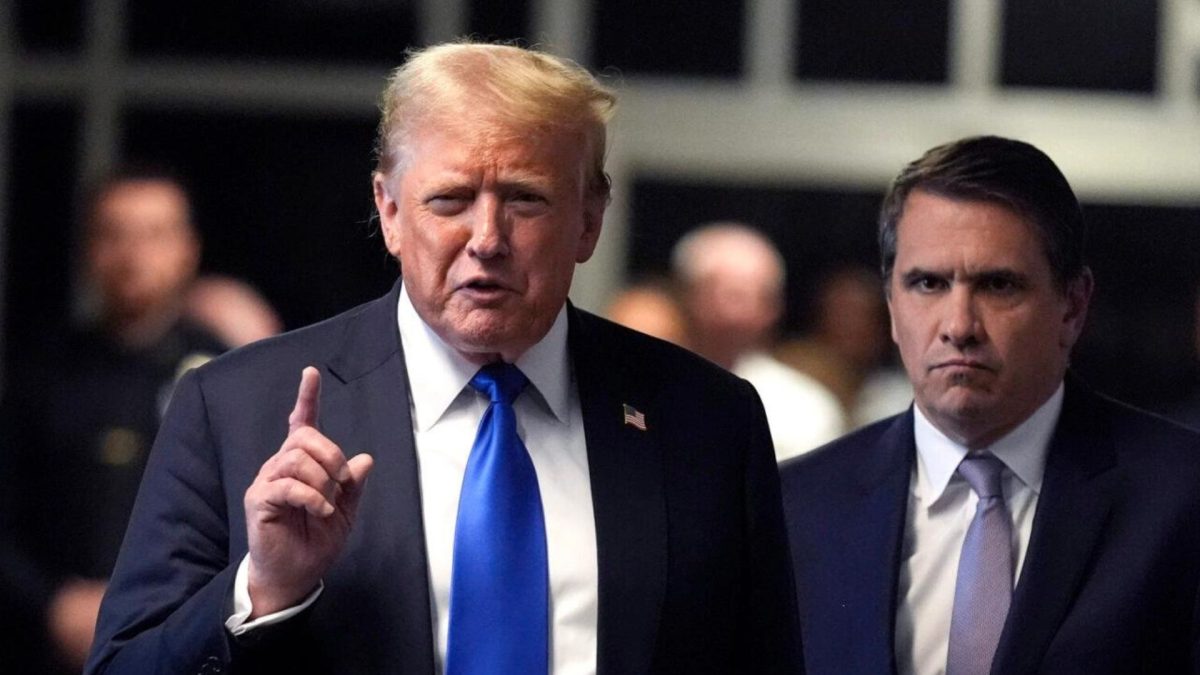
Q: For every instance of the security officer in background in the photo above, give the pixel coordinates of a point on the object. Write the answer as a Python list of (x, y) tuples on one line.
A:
[(79, 419)]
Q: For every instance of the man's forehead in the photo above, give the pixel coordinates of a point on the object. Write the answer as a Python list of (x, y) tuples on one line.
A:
[(976, 241), (141, 200), (486, 123), (932, 222), (533, 153)]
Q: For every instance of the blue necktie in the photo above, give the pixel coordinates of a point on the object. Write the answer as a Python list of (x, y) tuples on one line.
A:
[(499, 610), (983, 590)]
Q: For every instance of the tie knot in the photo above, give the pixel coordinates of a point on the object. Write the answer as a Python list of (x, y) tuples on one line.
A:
[(501, 382), (983, 473)]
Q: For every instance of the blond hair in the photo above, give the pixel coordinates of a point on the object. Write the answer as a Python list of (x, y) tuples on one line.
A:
[(519, 88)]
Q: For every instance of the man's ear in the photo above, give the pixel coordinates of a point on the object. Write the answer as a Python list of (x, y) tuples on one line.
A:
[(887, 297), (389, 213), (1078, 296), (593, 222)]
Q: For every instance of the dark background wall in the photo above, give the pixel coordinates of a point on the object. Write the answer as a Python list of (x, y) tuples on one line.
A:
[(267, 109)]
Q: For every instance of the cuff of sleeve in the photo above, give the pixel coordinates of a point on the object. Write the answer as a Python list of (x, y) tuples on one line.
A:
[(237, 624)]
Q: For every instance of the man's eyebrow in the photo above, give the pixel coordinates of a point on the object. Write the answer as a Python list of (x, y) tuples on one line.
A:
[(526, 179), (921, 272), (1006, 273), (974, 277)]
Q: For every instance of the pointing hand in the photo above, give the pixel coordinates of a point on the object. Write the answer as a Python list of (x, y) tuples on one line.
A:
[(300, 508)]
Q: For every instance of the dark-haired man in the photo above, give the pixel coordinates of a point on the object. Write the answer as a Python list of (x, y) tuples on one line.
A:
[(1011, 521), (83, 413)]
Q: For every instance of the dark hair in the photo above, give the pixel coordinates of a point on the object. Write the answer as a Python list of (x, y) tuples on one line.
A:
[(998, 170)]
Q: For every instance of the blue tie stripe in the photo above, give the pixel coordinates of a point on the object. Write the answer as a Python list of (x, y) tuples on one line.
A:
[(499, 604)]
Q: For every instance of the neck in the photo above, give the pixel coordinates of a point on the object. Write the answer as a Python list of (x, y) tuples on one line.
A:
[(982, 429)]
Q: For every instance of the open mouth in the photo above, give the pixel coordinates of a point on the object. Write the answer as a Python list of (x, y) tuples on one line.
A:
[(483, 288)]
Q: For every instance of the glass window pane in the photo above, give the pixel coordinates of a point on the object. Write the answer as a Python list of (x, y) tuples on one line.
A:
[(872, 41), (1082, 44), (354, 31), (664, 37)]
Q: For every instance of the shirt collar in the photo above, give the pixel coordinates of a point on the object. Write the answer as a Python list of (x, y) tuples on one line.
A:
[(437, 374), (1023, 450)]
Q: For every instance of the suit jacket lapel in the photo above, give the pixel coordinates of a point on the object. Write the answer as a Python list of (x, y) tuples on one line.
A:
[(1072, 511), (870, 548), (627, 495), (365, 402)]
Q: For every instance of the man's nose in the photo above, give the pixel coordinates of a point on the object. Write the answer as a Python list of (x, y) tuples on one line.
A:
[(962, 325), (489, 229)]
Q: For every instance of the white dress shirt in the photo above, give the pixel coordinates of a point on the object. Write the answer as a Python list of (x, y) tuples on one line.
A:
[(941, 506), (446, 414)]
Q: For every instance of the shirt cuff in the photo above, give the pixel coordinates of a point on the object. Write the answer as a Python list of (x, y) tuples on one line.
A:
[(237, 624)]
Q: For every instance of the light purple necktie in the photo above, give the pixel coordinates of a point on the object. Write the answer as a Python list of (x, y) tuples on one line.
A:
[(983, 590)]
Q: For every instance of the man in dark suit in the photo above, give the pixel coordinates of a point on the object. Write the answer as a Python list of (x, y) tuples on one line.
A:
[(655, 539), (1011, 521)]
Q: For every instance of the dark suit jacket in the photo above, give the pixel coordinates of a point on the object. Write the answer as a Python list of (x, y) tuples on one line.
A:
[(1111, 577), (76, 427), (693, 568)]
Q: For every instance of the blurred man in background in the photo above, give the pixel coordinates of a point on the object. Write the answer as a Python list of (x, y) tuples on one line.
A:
[(847, 349), (732, 284), (81, 416), (651, 306)]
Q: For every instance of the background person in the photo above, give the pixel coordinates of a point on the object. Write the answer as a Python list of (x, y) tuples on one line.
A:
[(848, 348), (732, 281), (81, 416), (652, 307)]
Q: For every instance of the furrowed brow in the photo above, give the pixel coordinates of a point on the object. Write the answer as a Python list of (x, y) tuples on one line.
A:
[(998, 274), (921, 273)]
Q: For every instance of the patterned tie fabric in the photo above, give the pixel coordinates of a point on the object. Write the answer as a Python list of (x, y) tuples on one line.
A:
[(499, 611), (983, 590)]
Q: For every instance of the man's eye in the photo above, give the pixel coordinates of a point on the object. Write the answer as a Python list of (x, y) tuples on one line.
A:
[(527, 204), (928, 284), (1000, 285), (443, 205)]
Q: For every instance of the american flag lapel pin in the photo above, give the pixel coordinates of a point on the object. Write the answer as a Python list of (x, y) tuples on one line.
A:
[(634, 417)]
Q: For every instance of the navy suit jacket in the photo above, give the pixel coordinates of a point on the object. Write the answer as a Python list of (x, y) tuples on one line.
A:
[(1111, 579), (693, 566)]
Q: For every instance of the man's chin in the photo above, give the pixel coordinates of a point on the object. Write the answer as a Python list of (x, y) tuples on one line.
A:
[(959, 402), (485, 343)]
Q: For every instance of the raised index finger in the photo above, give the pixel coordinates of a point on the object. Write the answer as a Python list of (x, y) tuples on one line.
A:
[(308, 400)]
